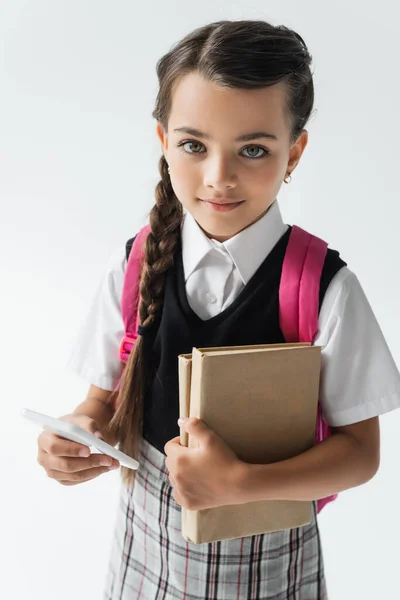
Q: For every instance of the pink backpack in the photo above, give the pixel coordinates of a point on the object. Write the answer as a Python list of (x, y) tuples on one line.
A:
[(298, 300)]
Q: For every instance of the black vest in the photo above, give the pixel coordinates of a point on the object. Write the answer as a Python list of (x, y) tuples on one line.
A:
[(253, 318)]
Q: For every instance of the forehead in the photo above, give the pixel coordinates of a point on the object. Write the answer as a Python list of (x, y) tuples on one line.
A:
[(204, 105)]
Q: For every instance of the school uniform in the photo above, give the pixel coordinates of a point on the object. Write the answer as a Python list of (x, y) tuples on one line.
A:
[(222, 294)]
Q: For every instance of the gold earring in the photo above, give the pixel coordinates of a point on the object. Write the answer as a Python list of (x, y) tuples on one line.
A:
[(289, 180), (169, 170)]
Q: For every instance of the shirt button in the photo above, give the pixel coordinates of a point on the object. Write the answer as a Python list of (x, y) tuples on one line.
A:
[(211, 298)]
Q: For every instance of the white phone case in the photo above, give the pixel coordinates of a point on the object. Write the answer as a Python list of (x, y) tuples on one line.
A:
[(72, 432)]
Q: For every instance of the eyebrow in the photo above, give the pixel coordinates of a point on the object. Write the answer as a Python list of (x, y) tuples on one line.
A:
[(256, 135)]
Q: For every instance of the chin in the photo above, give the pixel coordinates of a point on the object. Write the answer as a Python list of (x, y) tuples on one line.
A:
[(220, 228)]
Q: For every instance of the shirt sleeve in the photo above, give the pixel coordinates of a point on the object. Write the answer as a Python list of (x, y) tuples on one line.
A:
[(359, 378), (95, 352)]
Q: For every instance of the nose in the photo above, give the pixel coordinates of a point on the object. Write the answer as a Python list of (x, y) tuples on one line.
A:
[(220, 174)]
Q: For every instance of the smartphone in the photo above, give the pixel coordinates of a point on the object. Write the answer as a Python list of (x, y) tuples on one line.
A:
[(73, 433)]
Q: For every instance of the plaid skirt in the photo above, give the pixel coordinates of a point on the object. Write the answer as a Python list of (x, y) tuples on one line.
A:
[(150, 560)]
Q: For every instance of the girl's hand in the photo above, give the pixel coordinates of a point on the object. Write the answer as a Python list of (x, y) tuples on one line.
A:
[(71, 463), (207, 476)]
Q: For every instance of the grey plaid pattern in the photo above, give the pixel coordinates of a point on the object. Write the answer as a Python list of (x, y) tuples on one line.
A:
[(150, 560)]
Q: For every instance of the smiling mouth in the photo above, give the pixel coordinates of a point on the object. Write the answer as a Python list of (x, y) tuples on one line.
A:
[(222, 207), (223, 203)]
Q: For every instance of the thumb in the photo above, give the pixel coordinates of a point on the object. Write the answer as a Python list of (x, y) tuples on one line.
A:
[(84, 422), (198, 429)]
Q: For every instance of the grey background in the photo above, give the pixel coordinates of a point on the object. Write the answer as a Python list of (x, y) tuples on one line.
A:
[(78, 167)]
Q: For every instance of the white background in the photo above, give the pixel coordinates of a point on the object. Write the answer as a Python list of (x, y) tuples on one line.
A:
[(78, 161)]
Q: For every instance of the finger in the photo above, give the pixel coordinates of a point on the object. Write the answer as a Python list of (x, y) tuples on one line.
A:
[(172, 445), (76, 465), (71, 465), (57, 446), (83, 421), (199, 430), (79, 477)]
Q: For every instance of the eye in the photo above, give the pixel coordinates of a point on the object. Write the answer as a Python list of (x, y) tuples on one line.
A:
[(194, 143), (188, 142), (253, 147)]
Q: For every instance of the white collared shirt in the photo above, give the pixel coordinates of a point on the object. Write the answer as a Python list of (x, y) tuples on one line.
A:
[(216, 272), (359, 379)]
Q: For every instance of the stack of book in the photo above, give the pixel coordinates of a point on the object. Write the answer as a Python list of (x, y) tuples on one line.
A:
[(262, 401)]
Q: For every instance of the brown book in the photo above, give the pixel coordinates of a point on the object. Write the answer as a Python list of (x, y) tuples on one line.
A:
[(262, 401)]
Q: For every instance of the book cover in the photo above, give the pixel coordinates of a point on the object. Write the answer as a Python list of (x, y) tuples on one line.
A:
[(262, 401)]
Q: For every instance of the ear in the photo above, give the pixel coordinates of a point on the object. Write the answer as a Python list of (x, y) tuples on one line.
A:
[(163, 137), (297, 150)]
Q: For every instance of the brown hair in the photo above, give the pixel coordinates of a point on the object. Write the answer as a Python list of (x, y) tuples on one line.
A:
[(233, 54)]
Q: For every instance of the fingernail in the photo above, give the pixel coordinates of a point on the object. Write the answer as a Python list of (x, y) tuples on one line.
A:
[(113, 467), (181, 420), (98, 434), (84, 452), (105, 462)]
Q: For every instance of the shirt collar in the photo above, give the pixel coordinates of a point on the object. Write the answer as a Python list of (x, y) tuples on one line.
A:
[(248, 249)]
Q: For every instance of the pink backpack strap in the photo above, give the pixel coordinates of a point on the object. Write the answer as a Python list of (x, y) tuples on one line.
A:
[(300, 284), (299, 302), (130, 294)]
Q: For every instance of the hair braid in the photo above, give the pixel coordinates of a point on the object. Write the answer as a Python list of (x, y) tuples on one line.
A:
[(165, 221)]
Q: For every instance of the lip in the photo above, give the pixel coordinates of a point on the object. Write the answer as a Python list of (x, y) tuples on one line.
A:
[(223, 205), (221, 201)]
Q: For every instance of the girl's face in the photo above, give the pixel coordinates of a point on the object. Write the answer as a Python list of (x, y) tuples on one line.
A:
[(229, 146)]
